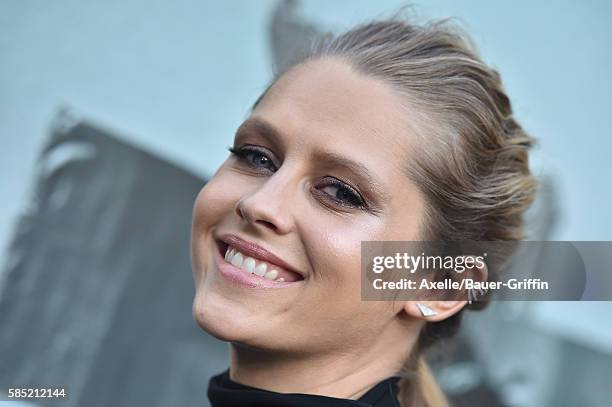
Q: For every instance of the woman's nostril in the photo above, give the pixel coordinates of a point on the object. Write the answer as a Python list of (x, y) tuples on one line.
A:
[(267, 224)]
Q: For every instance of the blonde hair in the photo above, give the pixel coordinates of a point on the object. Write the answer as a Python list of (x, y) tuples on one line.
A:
[(423, 390), (473, 168)]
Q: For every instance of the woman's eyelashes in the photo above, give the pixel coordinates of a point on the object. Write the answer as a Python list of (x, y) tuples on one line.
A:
[(341, 193), (329, 188), (257, 158)]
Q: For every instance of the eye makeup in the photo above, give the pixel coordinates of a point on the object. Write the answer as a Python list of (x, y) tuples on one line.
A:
[(333, 185)]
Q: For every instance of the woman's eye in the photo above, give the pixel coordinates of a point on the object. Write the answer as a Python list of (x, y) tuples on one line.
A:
[(254, 157), (343, 194)]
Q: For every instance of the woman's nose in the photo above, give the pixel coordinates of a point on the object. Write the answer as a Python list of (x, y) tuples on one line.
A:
[(269, 205)]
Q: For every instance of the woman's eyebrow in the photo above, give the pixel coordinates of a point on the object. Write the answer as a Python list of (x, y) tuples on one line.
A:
[(334, 160), (262, 128)]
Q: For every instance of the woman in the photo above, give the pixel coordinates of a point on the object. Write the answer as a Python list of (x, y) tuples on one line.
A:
[(391, 131)]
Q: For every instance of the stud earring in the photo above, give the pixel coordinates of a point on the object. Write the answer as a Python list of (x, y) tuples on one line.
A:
[(426, 311), (473, 294)]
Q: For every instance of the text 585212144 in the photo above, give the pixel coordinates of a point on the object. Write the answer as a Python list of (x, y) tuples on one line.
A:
[(36, 393)]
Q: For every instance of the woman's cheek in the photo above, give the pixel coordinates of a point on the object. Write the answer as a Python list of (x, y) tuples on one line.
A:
[(210, 208), (338, 250), (213, 201)]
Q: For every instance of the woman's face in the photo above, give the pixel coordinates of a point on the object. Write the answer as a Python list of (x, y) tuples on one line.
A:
[(320, 167)]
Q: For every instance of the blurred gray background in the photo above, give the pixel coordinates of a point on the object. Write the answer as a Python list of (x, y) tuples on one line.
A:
[(108, 105)]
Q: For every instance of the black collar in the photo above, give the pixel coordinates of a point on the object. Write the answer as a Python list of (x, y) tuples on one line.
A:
[(223, 392)]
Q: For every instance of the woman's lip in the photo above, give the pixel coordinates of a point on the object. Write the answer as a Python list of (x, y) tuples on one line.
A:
[(240, 277), (254, 250)]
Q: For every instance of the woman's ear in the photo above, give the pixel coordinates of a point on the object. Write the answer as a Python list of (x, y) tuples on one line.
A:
[(433, 310), (455, 300)]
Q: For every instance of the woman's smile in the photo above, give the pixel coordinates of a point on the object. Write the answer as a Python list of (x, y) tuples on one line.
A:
[(248, 264)]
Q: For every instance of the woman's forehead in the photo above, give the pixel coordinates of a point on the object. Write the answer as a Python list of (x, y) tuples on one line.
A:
[(327, 102)]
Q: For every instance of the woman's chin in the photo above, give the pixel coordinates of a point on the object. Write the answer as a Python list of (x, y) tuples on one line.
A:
[(225, 321)]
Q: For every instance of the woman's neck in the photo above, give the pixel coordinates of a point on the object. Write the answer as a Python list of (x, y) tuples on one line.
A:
[(348, 374)]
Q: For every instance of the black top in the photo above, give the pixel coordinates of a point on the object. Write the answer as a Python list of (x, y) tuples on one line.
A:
[(224, 392)]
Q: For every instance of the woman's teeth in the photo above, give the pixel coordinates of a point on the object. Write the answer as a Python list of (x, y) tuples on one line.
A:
[(249, 265)]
